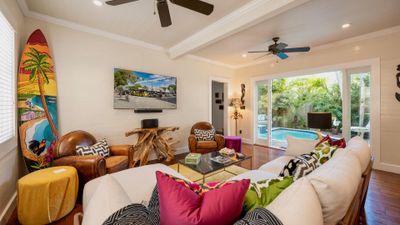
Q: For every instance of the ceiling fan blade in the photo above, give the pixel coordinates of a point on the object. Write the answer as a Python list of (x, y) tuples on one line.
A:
[(281, 46), (195, 5), (261, 51), (163, 13), (119, 2), (269, 53), (302, 49), (282, 55)]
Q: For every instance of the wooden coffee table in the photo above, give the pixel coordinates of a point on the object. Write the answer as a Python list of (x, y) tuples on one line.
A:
[(207, 166)]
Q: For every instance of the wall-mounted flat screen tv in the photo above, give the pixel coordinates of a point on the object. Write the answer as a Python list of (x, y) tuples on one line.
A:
[(140, 90)]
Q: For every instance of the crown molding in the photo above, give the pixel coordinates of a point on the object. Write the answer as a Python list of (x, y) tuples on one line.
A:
[(218, 63), (79, 27), (246, 16)]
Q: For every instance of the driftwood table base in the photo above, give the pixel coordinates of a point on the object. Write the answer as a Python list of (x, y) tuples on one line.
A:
[(152, 140)]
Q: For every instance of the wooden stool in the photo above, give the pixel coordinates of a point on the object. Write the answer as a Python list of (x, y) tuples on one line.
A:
[(47, 195)]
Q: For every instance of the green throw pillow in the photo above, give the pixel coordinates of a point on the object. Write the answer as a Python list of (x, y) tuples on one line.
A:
[(261, 193), (324, 152)]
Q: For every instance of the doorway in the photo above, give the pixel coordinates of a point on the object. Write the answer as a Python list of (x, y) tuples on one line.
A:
[(218, 106)]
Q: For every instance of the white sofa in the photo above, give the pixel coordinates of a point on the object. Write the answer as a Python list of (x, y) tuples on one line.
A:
[(322, 197)]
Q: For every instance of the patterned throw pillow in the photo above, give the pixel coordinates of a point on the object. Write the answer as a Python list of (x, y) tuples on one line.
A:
[(324, 152), (204, 135), (341, 143), (300, 166), (263, 192), (259, 216), (137, 214), (100, 148)]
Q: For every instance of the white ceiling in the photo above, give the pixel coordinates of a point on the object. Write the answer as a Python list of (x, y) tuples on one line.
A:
[(315, 23), (135, 20)]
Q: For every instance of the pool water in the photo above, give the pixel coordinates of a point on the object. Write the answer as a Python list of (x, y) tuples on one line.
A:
[(281, 134)]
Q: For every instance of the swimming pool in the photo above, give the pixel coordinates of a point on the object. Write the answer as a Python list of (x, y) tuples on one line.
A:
[(281, 134)]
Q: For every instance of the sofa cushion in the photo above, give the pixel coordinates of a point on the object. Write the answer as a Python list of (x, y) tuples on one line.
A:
[(141, 179), (108, 198), (360, 148), (255, 175), (298, 205), (180, 205), (336, 183), (299, 146), (263, 192), (275, 166), (116, 163), (206, 144)]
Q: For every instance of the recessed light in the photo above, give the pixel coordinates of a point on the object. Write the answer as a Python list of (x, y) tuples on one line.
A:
[(244, 55), (97, 3), (346, 25)]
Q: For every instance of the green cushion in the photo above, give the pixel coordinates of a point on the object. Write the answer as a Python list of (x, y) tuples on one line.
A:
[(262, 193), (324, 152)]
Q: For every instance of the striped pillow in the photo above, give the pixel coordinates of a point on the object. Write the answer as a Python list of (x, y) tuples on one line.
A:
[(100, 148), (204, 135)]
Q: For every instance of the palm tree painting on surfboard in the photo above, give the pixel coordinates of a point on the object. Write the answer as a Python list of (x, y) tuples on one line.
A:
[(37, 103)]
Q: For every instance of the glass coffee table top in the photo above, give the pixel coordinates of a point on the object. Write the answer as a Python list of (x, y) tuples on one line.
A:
[(206, 165)]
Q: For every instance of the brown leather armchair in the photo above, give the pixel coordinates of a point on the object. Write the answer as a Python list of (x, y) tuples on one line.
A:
[(205, 146), (90, 167)]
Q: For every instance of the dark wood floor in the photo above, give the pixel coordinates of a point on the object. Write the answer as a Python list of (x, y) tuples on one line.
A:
[(382, 205)]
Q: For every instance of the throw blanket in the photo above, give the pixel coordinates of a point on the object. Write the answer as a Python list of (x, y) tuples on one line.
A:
[(138, 214)]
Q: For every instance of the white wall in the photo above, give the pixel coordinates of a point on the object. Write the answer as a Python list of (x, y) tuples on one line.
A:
[(10, 165), (84, 71), (217, 114), (386, 47)]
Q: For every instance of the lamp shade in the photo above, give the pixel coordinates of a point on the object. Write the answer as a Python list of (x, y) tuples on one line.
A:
[(319, 120), (235, 102)]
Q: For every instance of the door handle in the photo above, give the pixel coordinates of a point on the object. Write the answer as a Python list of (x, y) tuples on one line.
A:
[(398, 82)]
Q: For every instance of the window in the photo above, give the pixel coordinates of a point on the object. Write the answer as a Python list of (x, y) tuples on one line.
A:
[(7, 106)]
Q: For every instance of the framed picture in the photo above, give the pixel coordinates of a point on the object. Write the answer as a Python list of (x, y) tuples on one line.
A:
[(218, 101), (221, 107), (216, 94)]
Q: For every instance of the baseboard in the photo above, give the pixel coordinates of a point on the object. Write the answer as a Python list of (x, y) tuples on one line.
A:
[(181, 150), (11, 205), (247, 141), (388, 167)]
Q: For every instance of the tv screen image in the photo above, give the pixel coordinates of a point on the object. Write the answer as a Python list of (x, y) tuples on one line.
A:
[(140, 90)]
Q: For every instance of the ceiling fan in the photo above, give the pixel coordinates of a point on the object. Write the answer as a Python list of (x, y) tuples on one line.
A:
[(280, 50), (163, 10)]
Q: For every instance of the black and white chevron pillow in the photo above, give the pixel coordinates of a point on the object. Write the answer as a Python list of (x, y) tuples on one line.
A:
[(100, 148), (204, 135), (259, 216), (300, 166), (137, 214)]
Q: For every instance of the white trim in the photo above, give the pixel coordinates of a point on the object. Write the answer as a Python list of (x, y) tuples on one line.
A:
[(199, 58), (181, 150), (247, 141), (227, 86), (8, 210), (246, 16), (388, 167)]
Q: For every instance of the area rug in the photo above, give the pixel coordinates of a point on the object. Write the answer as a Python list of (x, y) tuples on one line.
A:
[(216, 176)]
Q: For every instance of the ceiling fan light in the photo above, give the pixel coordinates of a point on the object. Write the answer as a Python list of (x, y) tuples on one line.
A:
[(346, 25), (97, 3)]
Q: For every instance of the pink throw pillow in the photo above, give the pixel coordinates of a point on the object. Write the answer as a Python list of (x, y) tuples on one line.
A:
[(180, 205)]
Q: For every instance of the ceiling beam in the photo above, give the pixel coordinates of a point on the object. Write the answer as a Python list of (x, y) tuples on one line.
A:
[(248, 15)]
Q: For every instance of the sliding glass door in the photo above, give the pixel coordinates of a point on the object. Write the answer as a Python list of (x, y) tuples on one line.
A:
[(282, 105)]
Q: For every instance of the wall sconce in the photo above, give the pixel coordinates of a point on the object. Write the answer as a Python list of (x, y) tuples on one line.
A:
[(398, 82), (237, 104)]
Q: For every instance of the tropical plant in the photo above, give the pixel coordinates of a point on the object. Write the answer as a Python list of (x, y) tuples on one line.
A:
[(37, 64)]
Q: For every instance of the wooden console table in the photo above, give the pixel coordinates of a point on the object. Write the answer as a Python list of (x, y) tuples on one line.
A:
[(152, 140)]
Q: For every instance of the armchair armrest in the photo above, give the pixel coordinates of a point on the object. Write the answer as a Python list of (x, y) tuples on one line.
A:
[(88, 167), (220, 141), (123, 150), (192, 143)]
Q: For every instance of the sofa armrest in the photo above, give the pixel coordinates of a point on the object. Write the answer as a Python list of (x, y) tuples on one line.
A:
[(88, 167), (192, 143), (220, 141)]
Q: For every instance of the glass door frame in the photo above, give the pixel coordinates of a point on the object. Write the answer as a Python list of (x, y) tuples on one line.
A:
[(257, 140)]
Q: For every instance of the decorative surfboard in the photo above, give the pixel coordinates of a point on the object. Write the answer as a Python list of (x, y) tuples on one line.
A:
[(37, 103)]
